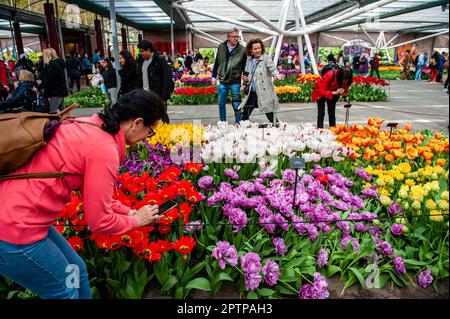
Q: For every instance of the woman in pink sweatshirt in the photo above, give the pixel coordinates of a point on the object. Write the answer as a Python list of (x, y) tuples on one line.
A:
[(32, 252)]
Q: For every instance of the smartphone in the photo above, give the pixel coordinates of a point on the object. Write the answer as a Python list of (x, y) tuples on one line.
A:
[(166, 206)]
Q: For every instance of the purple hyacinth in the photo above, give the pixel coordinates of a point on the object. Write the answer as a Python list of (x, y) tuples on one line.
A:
[(361, 227), (280, 248), (225, 253), (425, 278), (361, 172), (384, 247), (395, 208), (317, 290), (322, 258), (288, 175), (251, 266), (205, 182), (346, 240), (397, 229), (231, 173), (369, 193), (271, 272), (399, 265), (267, 174), (344, 226)]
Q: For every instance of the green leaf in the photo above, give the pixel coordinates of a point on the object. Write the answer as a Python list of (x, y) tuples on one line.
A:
[(223, 277), (113, 283), (252, 295), (332, 269), (415, 262), (199, 283), (169, 283), (359, 276), (265, 292)]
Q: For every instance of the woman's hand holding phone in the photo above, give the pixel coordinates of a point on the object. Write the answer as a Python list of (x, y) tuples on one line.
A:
[(147, 215)]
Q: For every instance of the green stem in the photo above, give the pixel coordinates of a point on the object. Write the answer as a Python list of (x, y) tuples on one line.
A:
[(301, 275), (289, 286)]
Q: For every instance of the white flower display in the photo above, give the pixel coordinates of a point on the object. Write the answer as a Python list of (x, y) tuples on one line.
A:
[(246, 143)]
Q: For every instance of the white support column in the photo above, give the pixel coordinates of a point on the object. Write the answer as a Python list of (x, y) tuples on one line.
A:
[(208, 39), (115, 53), (281, 36), (393, 38), (207, 35), (368, 36), (418, 39), (299, 40), (258, 16), (307, 40), (250, 26), (241, 39), (172, 37), (341, 18), (274, 38), (335, 37)]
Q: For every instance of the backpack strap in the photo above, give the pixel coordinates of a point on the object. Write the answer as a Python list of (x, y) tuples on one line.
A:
[(34, 175)]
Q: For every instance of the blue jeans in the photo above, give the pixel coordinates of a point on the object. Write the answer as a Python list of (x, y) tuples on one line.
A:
[(223, 90), (376, 70), (49, 267), (419, 72)]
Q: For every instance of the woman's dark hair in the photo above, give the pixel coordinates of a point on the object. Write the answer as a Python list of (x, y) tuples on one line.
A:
[(248, 48), (344, 74), (146, 45), (138, 103), (130, 63)]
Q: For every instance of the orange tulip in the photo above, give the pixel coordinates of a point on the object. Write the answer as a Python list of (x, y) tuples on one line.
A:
[(380, 166), (389, 158), (379, 147), (355, 156), (396, 145), (408, 138), (438, 135), (427, 155), (397, 154), (441, 162), (411, 152), (408, 127)]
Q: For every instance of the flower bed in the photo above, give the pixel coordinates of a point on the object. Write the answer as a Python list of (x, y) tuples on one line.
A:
[(88, 98), (367, 202)]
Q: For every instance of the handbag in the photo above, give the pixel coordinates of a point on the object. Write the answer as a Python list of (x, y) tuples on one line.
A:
[(249, 83)]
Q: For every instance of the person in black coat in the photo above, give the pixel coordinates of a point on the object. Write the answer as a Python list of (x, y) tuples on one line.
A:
[(74, 69), (109, 79), (154, 73), (53, 80), (128, 73), (188, 62)]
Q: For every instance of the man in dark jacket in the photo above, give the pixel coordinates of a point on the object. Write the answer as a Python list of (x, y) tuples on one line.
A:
[(154, 73), (228, 67), (74, 69), (188, 62)]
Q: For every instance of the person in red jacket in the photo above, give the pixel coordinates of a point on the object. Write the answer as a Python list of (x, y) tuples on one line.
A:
[(334, 83), (375, 65), (32, 252)]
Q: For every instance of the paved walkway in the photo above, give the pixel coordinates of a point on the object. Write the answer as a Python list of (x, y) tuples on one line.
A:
[(423, 104)]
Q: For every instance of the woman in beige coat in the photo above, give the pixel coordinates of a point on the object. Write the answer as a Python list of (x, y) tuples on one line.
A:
[(258, 75)]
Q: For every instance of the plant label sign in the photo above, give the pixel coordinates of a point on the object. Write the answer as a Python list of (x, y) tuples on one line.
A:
[(297, 163)]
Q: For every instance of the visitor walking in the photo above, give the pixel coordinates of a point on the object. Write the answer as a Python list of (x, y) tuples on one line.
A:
[(109, 80), (419, 67), (335, 82), (128, 73), (154, 73), (228, 67), (434, 66), (53, 80), (96, 58), (442, 59), (355, 62), (74, 69), (375, 65), (86, 67), (259, 71), (43, 260), (407, 66), (364, 64)]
